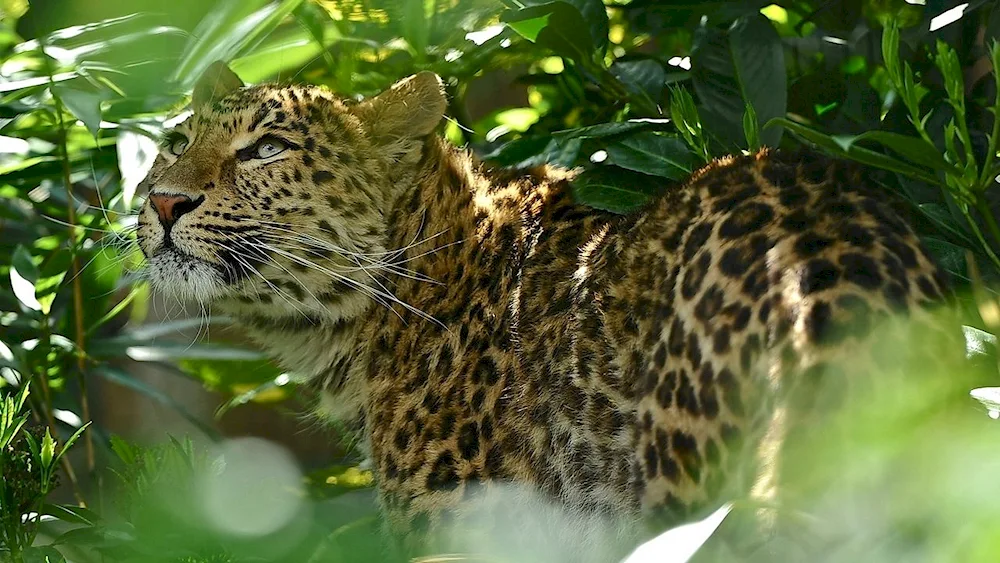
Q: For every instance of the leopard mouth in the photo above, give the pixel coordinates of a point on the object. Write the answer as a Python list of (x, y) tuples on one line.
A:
[(173, 271)]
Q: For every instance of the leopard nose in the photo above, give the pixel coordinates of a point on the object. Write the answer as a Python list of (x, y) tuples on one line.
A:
[(170, 207)]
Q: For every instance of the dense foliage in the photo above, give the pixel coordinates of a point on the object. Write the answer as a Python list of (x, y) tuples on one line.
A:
[(636, 93)]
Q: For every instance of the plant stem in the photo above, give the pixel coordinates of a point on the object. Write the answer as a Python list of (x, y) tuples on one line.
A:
[(991, 222), (979, 236), (77, 288)]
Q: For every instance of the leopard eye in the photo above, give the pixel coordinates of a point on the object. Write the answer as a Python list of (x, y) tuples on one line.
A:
[(178, 145), (269, 147)]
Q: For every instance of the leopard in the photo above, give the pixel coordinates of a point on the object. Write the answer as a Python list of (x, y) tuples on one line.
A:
[(510, 356)]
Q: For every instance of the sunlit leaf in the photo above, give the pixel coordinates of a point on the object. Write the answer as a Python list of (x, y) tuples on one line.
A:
[(85, 105), (226, 31), (23, 274), (679, 544)]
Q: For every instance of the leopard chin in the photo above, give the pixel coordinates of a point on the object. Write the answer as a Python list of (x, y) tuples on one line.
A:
[(185, 277)]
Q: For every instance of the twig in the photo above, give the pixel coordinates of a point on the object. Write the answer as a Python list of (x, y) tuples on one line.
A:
[(77, 288)]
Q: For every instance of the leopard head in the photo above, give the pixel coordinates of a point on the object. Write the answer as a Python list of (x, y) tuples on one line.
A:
[(274, 198)]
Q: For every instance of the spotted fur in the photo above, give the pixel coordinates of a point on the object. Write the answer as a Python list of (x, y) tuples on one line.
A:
[(609, 366)]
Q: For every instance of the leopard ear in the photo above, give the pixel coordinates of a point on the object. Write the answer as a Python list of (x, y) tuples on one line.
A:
[(217, 82), (411, 108)]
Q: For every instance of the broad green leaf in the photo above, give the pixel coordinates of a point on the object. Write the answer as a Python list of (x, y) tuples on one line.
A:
[(71, 514), (85, 105), (268, 389), (530, 28), (949, 256), (574, 28), (229, 375), (607, 129), (945, 221), (279, 55), (644, 77), (615, 189), (649, 153), (759, 60), (730, 69)]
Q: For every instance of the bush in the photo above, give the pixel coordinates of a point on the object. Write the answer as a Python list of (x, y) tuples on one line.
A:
[(636, 93)]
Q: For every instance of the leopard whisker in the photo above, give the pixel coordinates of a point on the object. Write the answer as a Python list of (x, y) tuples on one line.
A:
[(280, 292), (375, 266), (347, 280)]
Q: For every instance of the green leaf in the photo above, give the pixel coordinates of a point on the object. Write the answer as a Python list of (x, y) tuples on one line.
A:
[(853, 152), (23, 275), (744, 65), (574, 28), (530, 28), (83, 104), (644, 78), (125, 451), (649, 153), (915, 149), (751, 128), (944, 220), (226, 31), (125, 379), (615, 189), (415, 26), (50, 278), (72, 440), (42, 554), (950, 257), (608, 129), (147, 351), (48, 450), (71, 514)]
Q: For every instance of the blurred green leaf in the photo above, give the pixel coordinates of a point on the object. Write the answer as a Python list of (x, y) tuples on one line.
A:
[(71, 514), (50, 278), (230, 28), (86, 106), (125, 379)]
